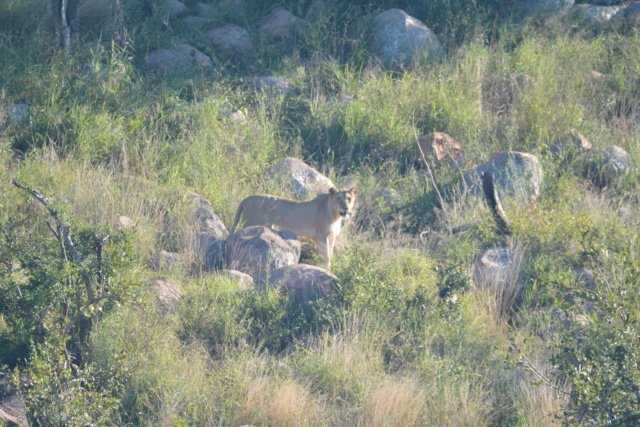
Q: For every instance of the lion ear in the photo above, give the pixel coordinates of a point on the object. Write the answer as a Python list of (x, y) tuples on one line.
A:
[(333, 190), (354, 191)]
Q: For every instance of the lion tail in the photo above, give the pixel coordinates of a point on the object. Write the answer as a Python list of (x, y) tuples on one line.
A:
[(237, 220)]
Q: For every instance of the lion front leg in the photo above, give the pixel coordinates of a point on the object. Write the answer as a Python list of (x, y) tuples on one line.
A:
[(325, 247)]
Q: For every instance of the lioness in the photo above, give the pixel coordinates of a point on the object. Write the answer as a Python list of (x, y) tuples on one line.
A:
[(320, 218)]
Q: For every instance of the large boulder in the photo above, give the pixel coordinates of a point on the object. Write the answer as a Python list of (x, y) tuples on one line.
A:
[(398, 38), (205, 218), (304, 282), (609, 166), (13, 412), (231, 39), (280, 23), (184, 56), (301, 179), (257, 249), (514, 173)]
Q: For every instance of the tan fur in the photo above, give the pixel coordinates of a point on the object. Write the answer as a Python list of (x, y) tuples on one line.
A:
[(320, 218)]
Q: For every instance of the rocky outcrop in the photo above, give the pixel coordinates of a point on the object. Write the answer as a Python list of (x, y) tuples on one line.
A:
[(205, 218), (255, 250), (303, 282), (399, 38), (301, 179)]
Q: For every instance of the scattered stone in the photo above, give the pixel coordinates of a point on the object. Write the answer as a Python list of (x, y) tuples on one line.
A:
[(532, 7), (305, 282), (15, 112), (231, 39), (204, 215), (228, 111), (168, 292), (573, 141), (390, 196), (609, 166), (126, 223), (584, 277), (595, 14), (499, 268), (169, 259), (302, 179), (244, 280), (513, 173), (280, 24), (211, 250), (438, 145), (273, 84), (12, 410), (257, 249), (399, 38), (184, 55)]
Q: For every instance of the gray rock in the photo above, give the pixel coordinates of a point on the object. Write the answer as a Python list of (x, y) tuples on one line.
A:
[(302, 179), (15, 112), (545, 6), (595, 14), (609, 166), (273, 84), (244, 280), (390, 197), (399, 38), (184, 55), (631, 13), (211, 250), (257, 249), (168, 259), (501, 269), (126, 223), (228, 111), (304, 282), (231, 39), (12, 410), (513, 173), (280, 23), (573, 141), (174, 6), (168, 292), (205, 218)]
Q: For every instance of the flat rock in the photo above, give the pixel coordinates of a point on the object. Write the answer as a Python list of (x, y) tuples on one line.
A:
[(257, 249), (304, 282), (302, 179), (184, 55), (398, 38)]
